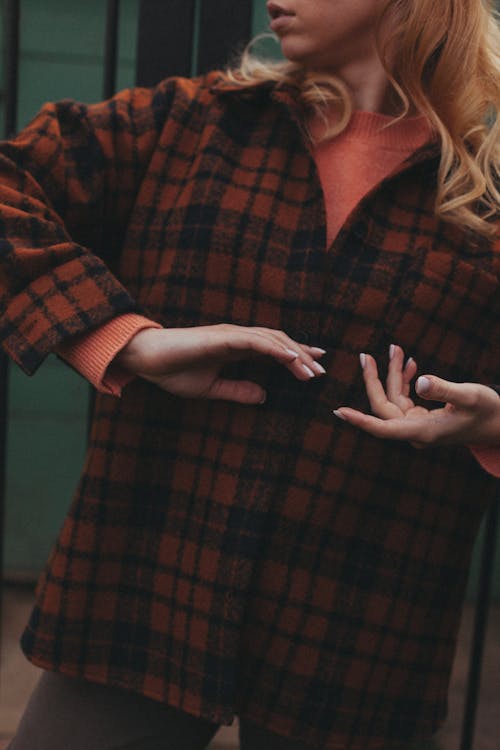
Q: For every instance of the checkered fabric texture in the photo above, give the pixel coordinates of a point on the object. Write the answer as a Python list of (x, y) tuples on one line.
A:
[(268, 561)]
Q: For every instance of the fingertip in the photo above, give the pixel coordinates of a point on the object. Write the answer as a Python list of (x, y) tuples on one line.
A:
[(370, 366), (254, 395), (409, 370), (423, 385), (395, 349), (317, 351)]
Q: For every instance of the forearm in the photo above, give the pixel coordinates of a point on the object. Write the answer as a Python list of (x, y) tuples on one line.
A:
[(94, 355)]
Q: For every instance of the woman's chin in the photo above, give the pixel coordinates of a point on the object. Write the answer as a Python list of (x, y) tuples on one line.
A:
[(294, 51), (300, 55)]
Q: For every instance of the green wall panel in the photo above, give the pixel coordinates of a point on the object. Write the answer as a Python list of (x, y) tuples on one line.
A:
[(62, 51), (260, 17), (62, 56), (268, 47), (46, 446)]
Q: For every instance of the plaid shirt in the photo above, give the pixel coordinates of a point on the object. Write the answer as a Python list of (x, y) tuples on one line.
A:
[(267, 561)]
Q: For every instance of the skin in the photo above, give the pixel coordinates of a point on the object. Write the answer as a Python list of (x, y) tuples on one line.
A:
[(187, 361), (331, 36), (338, 38), (470, 415)]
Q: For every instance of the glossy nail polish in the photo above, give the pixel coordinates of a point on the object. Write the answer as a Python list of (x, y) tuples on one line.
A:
[(318, 369)]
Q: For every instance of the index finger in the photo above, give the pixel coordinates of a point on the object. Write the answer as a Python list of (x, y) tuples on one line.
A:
[(380, 404)]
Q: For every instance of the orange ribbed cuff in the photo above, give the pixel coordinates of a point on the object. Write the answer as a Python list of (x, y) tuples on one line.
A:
[(488, 456), (92, 354)]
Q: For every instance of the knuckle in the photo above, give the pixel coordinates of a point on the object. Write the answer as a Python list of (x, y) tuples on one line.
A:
[(380, 405), (439, 393), (471, 398)]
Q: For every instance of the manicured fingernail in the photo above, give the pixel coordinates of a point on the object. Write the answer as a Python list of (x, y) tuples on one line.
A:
[(392, 350), (339, 414), (317, 349), (408, 362), (308, 370), (292, 351), (362, 359), (423, 384), (318, 369)]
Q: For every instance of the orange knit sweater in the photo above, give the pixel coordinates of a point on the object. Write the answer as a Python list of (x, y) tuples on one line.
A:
[(349, 166)]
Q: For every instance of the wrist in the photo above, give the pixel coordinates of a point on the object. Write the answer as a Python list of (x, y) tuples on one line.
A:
[(131, 355)]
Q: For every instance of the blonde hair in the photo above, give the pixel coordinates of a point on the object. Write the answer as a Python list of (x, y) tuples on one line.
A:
[(446, 63)]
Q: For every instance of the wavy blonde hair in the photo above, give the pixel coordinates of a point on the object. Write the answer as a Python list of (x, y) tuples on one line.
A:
[(446, 63)]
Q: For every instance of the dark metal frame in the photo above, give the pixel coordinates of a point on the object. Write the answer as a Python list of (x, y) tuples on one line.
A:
[(480, 625), (167, 32), (165, 47), (12, 13), (111, 47)]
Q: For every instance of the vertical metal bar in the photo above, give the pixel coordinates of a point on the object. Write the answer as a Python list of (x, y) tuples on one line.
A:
[(480, 624), (111, 47), (224, 27), (11, 71), (111, 35), (164, 40), (12, 14), (3, 458)]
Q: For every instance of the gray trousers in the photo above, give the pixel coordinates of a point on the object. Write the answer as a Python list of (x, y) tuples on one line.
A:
[(68, 714)]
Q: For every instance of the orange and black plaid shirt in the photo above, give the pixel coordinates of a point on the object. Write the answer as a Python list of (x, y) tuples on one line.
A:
[(266, 561)]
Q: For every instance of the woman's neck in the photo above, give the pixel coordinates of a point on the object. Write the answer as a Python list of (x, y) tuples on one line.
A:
[(371, 90)]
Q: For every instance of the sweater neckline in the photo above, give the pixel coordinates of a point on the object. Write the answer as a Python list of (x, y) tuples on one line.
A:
[(381, 131)]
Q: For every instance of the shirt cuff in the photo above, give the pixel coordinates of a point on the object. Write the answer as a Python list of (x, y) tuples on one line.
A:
[(91, 354), (488, 456)]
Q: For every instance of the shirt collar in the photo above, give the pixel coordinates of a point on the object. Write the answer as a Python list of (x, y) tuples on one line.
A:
[(285, 95)]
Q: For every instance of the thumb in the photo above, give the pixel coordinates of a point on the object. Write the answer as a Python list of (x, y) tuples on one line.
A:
[(241, 391), (433, 388)]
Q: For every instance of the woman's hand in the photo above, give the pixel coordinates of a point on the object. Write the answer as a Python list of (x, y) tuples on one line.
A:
[(471, 413), (187, 361)]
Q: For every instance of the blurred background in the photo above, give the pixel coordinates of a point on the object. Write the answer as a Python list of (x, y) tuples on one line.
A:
[(61, 55)]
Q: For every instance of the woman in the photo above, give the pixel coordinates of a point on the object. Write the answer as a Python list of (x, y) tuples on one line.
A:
[(233, 548)]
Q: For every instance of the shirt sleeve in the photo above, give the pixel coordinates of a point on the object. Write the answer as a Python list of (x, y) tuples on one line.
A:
[(488, 456), (91, 354), (68, 183)]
